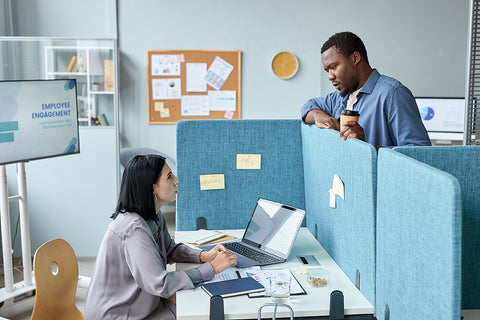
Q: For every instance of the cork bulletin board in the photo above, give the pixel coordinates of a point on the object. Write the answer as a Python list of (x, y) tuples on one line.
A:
[(193, 84)]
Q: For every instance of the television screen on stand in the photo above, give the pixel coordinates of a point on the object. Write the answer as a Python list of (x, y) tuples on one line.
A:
[(38, 119)]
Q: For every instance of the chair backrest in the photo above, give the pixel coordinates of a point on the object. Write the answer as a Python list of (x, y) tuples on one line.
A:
[(128, 153), (55, 268)]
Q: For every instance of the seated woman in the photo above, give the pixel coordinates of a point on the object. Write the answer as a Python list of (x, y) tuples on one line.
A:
[(130, 280)]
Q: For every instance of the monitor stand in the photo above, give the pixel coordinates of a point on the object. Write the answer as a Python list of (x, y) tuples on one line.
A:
[(14, 292)]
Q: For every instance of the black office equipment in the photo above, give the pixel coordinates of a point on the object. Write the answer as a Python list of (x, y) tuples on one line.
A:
[(336, 306), (216, 308)]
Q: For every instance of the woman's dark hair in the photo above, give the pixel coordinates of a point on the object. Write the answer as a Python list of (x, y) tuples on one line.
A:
[(346, 43), (136, 190)]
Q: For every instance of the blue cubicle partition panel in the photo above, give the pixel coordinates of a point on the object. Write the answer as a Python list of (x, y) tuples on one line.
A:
[(463, 162), (418, 240), (211, 146), (347, 232)]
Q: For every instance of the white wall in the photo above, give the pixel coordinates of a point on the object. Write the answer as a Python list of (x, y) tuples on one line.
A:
[(421, 43)]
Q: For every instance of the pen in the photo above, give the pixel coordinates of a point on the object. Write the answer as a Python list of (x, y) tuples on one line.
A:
[(238, 274)]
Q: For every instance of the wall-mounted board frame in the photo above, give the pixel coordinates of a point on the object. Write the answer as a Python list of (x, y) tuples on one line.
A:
[(193, 84)]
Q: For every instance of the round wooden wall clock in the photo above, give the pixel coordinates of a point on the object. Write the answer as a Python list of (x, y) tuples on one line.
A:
[(284, 65)]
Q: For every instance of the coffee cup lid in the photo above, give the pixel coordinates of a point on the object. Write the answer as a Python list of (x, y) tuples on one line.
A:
[(347, 112)]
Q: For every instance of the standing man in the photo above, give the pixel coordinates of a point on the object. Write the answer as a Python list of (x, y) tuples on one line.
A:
[(389, 115)]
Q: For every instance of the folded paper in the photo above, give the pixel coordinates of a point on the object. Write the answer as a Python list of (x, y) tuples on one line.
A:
[(337, 188)]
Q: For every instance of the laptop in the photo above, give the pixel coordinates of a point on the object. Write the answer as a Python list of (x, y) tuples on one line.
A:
[(269, 235)]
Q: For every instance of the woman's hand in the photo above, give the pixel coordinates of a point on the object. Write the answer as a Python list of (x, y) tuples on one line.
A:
[(223, 260), (212, 253)]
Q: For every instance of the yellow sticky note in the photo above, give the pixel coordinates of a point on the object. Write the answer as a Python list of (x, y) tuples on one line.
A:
[(159, 106), (212, 182), (249, 161)]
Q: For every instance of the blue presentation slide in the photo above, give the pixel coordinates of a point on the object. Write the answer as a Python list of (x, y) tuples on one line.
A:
[(37, 119)]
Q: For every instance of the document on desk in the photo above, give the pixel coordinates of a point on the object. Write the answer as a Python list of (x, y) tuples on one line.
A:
[(234, 273), (262, 276)]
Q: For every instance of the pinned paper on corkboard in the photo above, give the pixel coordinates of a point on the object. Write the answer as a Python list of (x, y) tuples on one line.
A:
[(164, 113), (215, 74)]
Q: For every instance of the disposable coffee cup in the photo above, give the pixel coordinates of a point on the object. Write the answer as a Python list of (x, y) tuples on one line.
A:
[(348, 115)]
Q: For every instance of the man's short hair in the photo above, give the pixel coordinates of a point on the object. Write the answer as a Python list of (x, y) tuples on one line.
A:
[(346, 43)]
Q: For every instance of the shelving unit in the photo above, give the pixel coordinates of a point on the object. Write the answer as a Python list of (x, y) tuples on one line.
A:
[(95, 73), (91, 176)]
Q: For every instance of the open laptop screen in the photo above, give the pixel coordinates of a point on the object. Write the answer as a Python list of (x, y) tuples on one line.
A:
[(273, 227)]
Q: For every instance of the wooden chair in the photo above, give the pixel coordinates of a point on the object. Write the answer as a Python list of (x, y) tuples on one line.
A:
[(55, 268)]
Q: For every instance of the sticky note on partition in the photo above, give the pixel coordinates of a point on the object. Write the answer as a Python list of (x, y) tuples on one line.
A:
[(212, 182), (249, 161)]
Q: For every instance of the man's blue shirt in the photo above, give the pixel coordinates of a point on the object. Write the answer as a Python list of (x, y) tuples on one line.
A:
[(389, 114)]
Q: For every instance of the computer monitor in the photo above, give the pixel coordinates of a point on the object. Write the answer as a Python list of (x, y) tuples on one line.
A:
[(38, 119), (442, 114)]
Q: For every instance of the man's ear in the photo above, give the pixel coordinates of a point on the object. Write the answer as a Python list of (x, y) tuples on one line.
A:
[(356, 57)]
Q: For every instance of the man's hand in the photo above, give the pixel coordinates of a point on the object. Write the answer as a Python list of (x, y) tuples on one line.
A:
[(322, 120), (351, 129)]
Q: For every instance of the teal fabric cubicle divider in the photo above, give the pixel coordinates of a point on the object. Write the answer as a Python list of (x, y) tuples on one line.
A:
[(463, 162), (211, 146), (418, 240), (347, 232)]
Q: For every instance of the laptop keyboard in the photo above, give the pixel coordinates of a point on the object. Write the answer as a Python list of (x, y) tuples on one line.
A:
[(249, 252)]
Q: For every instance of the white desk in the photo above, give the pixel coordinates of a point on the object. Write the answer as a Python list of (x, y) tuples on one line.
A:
[(195, 304)]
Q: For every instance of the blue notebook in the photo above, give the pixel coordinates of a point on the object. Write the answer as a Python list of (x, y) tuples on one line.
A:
[(233, 287)]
